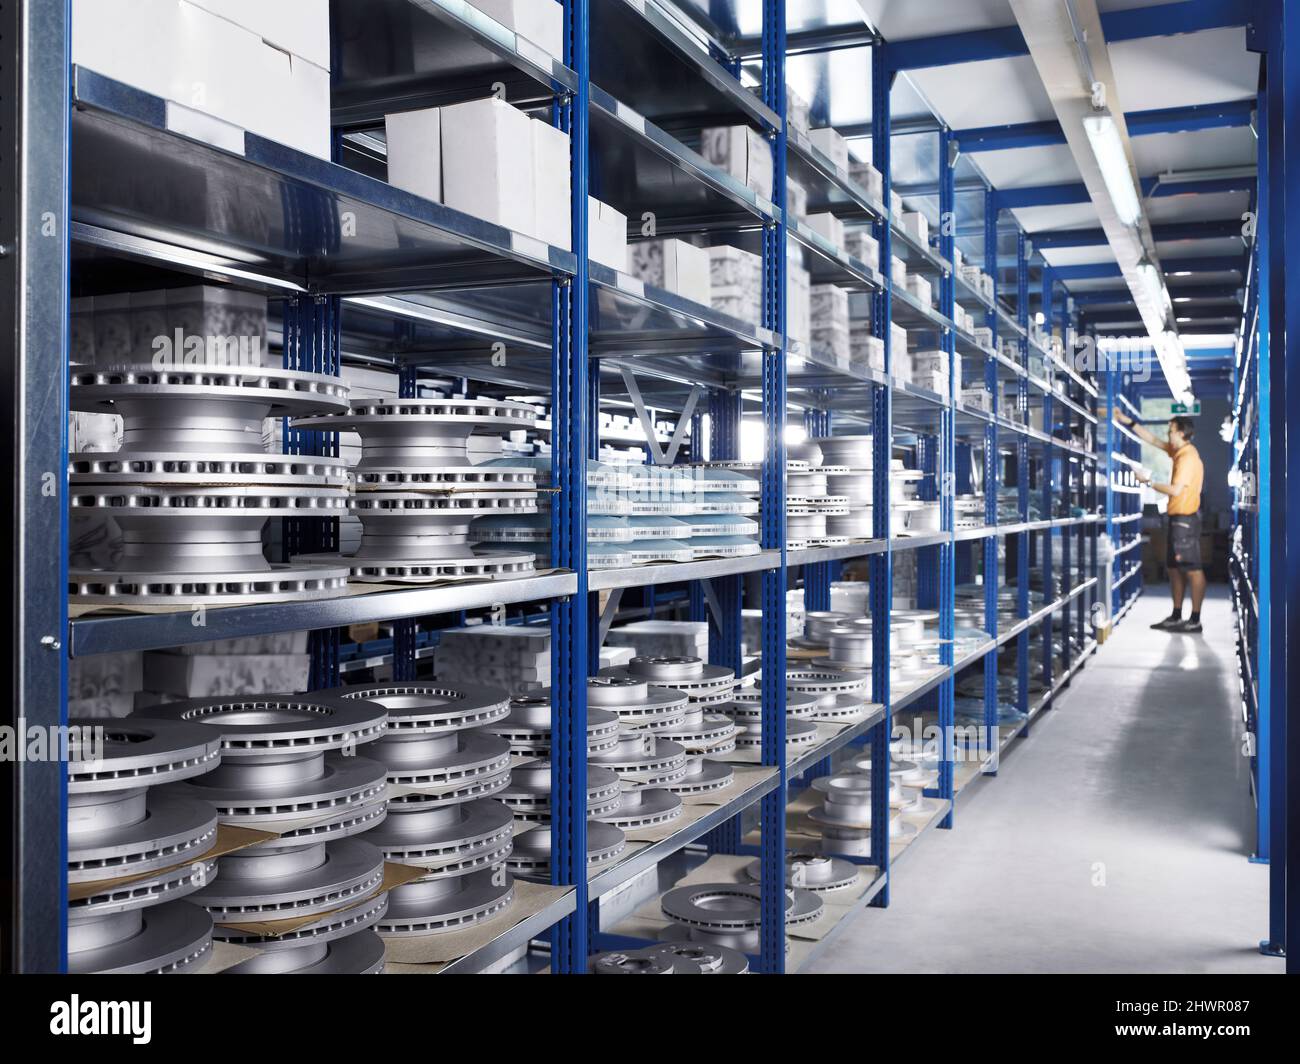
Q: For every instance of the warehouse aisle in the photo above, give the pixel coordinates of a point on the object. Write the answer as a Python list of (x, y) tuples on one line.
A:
[(1135, 778)]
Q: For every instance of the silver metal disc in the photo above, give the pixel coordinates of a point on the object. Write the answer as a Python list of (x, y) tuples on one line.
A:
[(136, 753), (417, 707), (171, 937), (703, 776), (430, 908), (356, 954), (644, 807)]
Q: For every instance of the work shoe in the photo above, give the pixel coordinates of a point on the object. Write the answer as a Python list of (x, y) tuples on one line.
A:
[(1187, 627), (1168, 624)]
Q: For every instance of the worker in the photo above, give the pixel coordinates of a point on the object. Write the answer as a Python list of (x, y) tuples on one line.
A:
[(1183, 548)]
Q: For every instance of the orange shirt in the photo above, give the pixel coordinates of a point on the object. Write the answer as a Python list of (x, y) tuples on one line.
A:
[(1190, 472)]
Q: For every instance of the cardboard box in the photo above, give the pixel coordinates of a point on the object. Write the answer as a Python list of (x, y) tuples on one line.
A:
[(977, 398), (208, 675), (675, 265), (796, 200), (915, 223), (105, 674), (868, 177), (797, 112), (487, 163), (539, 21), (606, 235), (219, 78), (736, 282), (867, 350), (299, 27), (415, 152), (898, 271), (828, 226), (863, 246), (897, 339), (552, 184), (895, 204), (799, 300), (921, 289), (829, 142), (742, 152), (830, 322)]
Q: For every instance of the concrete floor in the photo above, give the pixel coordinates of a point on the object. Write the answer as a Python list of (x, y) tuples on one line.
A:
[(1114, 839)]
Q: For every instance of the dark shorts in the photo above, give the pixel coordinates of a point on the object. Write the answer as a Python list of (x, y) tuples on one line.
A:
[(1184, 543)]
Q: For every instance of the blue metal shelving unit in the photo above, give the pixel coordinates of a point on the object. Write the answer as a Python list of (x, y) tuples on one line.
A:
[(569, 332)]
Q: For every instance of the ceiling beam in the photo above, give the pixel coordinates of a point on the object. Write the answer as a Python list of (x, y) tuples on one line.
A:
[(1167, 233), (1007, 42), (1233, 114), (1152, 188)]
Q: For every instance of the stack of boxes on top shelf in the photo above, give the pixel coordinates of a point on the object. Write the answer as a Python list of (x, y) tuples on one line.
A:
[(663, 639), (242, 53)]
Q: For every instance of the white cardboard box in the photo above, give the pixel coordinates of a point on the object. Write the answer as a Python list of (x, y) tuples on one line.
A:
[(202, 675), (218, 77), (796, 199), (415, 152), (898, 271), (552, 187), (539, 21), (673, 264), (915, 223), (743, 152), (799, 304), (863, 246), (735, 282), (299, 27), (487, 163), (797, 111), (868, 177), (829, 142), (921, 288), (828, 226), (606, 235)]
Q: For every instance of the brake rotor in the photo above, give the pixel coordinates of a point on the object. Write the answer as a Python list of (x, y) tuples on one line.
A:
[(703, 776), (635, 701), (703, 733), (529, 794), (643, 758), (527, 727), (820, 874), (644, 807), (191, 490), (448, 840), (429, 708), (358, 954), (797, 732), (531, 858), (748, 703)]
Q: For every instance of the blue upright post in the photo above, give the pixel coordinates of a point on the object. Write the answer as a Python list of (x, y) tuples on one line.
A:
[(1281, 198), (404, 629), (991, 478), (312, 344), (569, 617), (817, 576), (1022, 478), (772, 841), (882, 433), (946, 465)]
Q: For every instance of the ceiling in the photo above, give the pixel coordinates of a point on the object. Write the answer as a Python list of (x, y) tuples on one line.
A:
[(1164, 55)]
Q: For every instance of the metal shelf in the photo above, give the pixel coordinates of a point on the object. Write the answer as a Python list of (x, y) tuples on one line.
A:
[(128, 175), (152, 631), (829, 188), (401, 55), (651, 62), (679, 572), (608, 879), (509, 941)]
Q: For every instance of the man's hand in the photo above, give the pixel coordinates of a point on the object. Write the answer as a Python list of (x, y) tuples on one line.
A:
[(1144, 476), (1122, 417)]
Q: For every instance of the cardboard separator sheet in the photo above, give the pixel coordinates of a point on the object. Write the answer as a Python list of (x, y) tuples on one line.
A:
[(428, 954), (229, 839), (395, 875)]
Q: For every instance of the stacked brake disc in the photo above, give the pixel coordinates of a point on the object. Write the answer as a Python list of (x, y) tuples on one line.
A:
[(416, 491), (528, 731), (192, 486), (671, 958), (672, 710), (288, 767), (121, 824), (445, 772)]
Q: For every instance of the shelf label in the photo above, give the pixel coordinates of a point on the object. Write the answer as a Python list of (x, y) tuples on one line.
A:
[(630, 117), (530, 246), (631, 284)]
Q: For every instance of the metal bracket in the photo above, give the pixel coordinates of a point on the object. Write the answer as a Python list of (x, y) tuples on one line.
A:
[(711, 599), (660, 455), (608, 613)]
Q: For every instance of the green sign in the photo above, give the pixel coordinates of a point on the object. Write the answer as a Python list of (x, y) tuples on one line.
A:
[(1191, 409)]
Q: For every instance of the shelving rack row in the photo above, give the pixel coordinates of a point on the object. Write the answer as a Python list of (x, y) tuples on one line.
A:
[(428, 290), (1260, 573)]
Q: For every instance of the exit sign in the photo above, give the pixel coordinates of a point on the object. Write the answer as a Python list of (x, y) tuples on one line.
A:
[(1191, 409)]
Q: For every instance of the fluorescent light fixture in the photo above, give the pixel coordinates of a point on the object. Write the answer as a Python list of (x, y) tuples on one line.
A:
[(1108, 147)]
